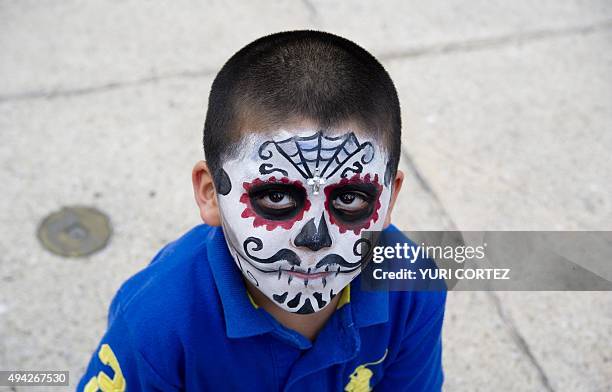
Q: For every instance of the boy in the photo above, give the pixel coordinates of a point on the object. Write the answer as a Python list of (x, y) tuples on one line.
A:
[(302, 141)]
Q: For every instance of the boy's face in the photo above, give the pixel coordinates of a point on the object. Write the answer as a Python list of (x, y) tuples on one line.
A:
[(293, 206)]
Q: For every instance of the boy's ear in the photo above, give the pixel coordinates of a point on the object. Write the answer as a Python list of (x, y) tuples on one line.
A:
[(397, 186), (205, 194)]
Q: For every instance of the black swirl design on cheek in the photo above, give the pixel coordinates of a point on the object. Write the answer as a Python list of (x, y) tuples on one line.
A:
[(284, 254), (360, 252)]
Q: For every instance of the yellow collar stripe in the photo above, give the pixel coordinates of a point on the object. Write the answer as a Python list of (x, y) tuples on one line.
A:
[(345, 297), (252, 300)]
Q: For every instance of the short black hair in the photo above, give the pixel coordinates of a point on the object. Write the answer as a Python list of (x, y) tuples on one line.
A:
[(301, 74)]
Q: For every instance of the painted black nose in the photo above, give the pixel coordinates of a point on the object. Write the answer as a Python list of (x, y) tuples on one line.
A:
[(312, 237)]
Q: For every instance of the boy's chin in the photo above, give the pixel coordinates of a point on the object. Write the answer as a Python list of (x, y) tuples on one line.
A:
[(302, 297)]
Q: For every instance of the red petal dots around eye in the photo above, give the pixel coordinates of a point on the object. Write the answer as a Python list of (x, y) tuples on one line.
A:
[(249, 211), (356, 227)]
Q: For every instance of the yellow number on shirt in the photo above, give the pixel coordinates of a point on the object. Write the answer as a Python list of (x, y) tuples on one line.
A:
[(103, 382)]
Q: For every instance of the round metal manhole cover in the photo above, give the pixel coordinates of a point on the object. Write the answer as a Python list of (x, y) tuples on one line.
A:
[(75, 231)]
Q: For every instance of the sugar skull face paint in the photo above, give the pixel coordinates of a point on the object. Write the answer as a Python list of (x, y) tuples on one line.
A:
[(293, 207)]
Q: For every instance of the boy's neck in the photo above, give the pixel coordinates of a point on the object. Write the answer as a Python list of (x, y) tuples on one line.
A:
[(309, 325)]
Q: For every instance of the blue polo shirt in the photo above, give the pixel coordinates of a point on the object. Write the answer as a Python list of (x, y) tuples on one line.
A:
[(186, 322)]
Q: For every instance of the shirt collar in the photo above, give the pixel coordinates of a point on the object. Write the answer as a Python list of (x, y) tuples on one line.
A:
[(243, 317), (368, 307), (371, 307)]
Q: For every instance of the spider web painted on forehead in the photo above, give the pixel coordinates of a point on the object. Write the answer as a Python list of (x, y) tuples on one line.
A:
[(317, 154)]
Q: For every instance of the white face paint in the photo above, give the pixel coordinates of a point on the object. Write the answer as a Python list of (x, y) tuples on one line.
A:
[(293, 207)]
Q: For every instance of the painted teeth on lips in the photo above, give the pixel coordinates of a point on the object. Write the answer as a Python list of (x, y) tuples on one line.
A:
[(307, 275)]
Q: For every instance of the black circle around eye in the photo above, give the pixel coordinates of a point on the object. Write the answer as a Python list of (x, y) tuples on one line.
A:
[(262, 196), (347, 198), (342, 198)]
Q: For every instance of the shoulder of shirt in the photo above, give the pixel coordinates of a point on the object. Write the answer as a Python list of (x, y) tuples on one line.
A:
[(155, 308), (166, 285), (416, 307)]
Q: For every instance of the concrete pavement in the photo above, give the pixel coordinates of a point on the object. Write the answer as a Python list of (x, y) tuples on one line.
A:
[(507, 111)]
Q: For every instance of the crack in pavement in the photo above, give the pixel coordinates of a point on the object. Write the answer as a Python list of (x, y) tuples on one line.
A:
[(427, 188), (494, 42), (520, 340), (433, 50), (33, 95), (312, 10), (515, 334)]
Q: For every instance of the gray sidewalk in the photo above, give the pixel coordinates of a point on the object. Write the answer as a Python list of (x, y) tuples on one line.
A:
[(507, 112)]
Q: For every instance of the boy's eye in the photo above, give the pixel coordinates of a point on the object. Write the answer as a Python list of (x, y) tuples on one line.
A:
[(350, 202), (277, 201), (354, 203)]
